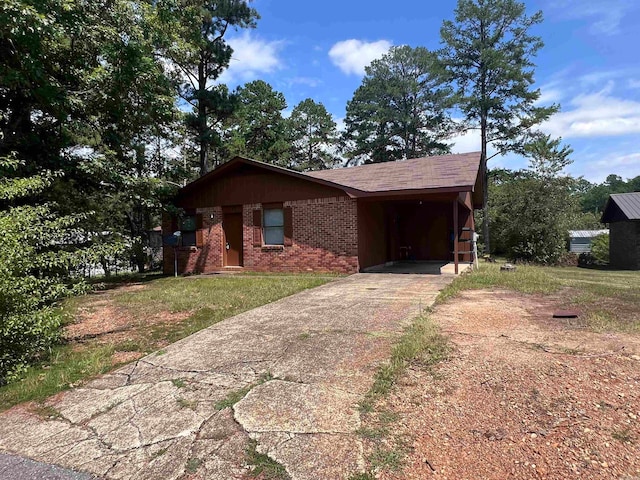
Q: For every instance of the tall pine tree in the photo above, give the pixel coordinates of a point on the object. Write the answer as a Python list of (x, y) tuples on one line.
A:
[(488, 54)]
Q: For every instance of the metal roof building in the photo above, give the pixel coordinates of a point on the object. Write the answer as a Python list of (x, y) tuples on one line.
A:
[(622, 213)]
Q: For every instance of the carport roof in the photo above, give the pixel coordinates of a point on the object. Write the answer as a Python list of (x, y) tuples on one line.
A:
[(436, 172)]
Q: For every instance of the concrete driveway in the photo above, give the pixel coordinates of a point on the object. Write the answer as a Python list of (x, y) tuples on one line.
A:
[(306, 361)]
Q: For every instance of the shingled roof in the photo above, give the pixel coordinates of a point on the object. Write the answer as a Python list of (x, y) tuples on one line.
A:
[(455, 171), (621, 207)]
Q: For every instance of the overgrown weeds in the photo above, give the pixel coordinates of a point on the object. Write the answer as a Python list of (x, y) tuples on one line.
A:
[(422, 343), (263, 466)]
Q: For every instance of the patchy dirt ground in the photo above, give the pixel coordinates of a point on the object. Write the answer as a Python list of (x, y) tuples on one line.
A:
[(522, 395), (101, 320)]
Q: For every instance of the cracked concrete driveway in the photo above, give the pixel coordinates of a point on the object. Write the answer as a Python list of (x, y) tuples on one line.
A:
[(309, 358)]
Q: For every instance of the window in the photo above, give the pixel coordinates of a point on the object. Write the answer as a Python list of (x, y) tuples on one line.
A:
[(273, 226), (188, 230)]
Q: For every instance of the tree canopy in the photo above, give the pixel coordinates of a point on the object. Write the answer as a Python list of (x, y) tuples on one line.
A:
[(400, 110), (313, 135), (257, 129)]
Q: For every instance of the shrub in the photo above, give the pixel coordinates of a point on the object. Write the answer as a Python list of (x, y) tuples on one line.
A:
[(600, 249), (586, 259), (34, 265)]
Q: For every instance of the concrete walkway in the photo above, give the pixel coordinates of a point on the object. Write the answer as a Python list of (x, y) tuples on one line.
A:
[(306, 361)]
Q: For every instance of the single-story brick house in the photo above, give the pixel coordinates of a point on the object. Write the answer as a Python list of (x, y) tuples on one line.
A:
[(622, 213), (256, 216)]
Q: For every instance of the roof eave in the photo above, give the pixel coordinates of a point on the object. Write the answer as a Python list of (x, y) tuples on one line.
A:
[(414, 191)]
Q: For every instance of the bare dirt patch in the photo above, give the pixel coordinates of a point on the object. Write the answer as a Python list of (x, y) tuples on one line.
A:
[(101, 320), (522, 395)]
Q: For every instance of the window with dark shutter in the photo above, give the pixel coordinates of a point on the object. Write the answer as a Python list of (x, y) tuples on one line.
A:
[(188, 230), (273, 226)]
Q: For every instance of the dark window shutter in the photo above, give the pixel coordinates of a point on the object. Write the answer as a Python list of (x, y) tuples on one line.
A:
[(257, 228), (288, 226), (199, 231)]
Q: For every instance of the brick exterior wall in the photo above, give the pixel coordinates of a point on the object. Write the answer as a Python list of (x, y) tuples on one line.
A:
[(325, 238), (624, 245)]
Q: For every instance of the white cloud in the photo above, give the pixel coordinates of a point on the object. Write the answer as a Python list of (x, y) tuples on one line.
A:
[(605, 16), (633, 83), (549, 94), (252, 57), (352, 56), (307, 81), (595, 166), (599, 114), (466, 142)]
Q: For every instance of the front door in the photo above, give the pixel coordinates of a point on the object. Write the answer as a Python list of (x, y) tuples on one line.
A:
[(232, 225)]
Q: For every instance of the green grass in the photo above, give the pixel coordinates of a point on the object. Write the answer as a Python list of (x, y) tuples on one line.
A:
[(205, 300), (192, 465), (384, 458), (220, 294), (421, 343), (362, 476), (178, 382), (263, 466), (234, 397), (66, 368), (623, 435)]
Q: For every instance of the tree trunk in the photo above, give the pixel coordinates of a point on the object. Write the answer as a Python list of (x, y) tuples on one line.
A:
[(202, 119), (484, 171)]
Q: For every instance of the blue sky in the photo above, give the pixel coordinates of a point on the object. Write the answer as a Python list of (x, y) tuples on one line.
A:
[(590, 65)]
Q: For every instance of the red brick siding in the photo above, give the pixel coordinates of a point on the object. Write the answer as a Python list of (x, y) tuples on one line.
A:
[(198, 260), (325, 238)]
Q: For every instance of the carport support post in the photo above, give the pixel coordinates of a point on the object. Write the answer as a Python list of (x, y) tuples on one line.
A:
[(455, 234)]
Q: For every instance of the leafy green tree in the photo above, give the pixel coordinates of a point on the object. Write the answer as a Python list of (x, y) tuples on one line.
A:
[(313, 136), (83, 93), (37, 254), (257, 129), (534, 209), (400, 110), (488, 54), (600, 249), (192, 38)]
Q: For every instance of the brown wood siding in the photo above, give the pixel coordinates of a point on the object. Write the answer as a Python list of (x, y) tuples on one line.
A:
[(250, 185), (372, 235)]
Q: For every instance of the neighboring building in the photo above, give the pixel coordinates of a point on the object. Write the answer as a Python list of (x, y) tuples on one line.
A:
[(580, 240), (622, 213), (265, 218)]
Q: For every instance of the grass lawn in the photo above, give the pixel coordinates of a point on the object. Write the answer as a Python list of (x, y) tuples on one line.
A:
[(608, 300), (189, 304)]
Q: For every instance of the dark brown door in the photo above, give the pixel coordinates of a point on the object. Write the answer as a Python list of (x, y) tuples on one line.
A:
[(232, 225)]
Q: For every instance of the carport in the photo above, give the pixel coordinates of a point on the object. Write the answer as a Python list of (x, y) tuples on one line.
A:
[(436, 228), (414, 210)]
